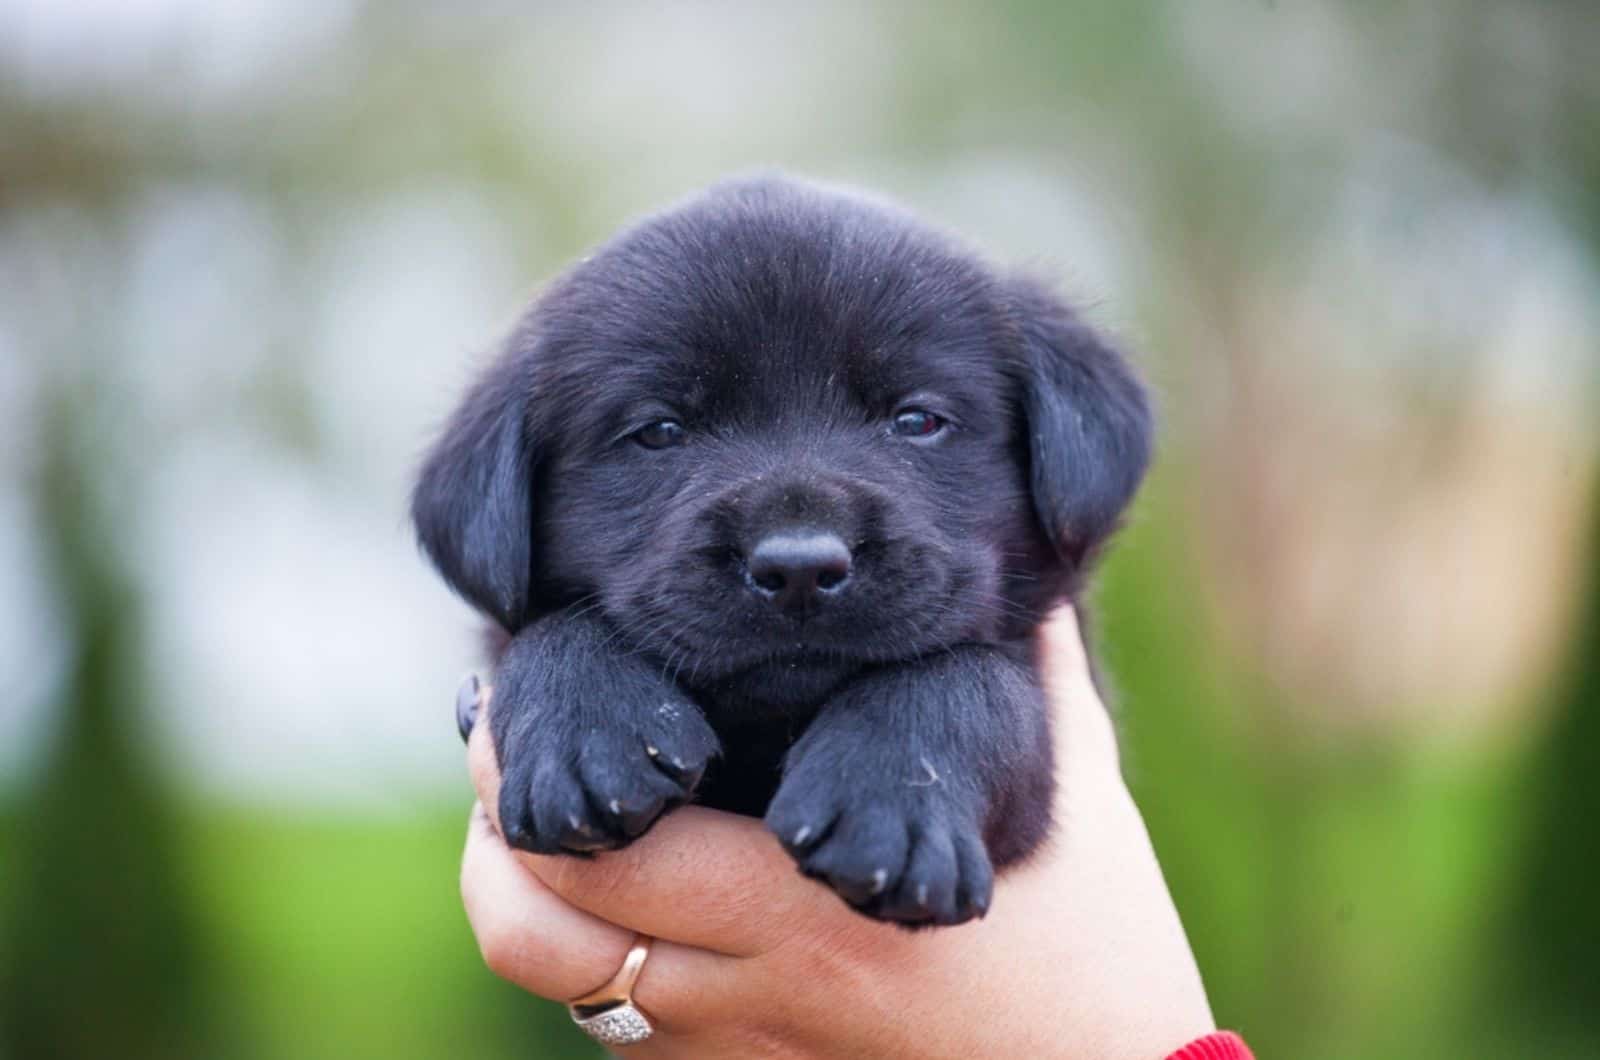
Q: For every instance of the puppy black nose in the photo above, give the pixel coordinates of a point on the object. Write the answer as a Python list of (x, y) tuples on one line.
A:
[(795, 568)]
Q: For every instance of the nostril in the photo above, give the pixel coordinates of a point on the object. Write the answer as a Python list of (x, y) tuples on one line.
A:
[(829, 578), (765, 578)]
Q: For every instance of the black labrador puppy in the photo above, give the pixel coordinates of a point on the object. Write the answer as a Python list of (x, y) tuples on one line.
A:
[(769, 496)]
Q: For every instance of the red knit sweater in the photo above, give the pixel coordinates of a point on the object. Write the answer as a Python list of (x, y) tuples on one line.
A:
[(1221, 1045)]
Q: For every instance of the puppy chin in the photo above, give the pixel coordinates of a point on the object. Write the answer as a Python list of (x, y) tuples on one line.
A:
[(782, 686)]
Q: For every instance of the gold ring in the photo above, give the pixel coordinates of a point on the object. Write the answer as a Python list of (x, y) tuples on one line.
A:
[(608, 1014)]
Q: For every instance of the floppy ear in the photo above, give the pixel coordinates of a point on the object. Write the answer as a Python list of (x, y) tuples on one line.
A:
[(473, 502), (1088, 421)]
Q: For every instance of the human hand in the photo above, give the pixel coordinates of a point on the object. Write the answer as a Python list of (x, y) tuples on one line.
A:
[(1081, 954)]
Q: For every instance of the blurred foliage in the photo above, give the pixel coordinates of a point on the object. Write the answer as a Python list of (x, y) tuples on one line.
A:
[(1349, 894), (1555, 921), (1335, 895), (100, 955), (346, 939)]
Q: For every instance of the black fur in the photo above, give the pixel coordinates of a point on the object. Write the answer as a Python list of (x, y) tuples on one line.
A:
[(892, 729)]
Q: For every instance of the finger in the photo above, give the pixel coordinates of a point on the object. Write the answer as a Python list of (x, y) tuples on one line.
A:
[(482, 765), (714, 880), (530, 937), (527, 934), (699, 877), (1085, 736)]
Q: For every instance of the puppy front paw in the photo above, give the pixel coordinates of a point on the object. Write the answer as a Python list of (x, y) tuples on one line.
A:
[(897, 844), (593, 750)]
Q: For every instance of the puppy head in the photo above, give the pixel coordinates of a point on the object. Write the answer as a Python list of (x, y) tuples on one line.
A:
[(780, 433)]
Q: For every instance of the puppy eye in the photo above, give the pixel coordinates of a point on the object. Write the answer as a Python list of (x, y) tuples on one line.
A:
[(917, 423), (662, 434)]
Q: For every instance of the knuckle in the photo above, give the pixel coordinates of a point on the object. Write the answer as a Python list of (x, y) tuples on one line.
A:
[(600, 880), (744, 898), (502, 950), (846, 950)]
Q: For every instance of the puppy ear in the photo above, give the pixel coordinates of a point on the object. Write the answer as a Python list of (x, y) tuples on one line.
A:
[(473, 502), (1088, 421)]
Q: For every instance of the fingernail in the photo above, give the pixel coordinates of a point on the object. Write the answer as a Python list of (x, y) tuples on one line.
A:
[(467, 706)]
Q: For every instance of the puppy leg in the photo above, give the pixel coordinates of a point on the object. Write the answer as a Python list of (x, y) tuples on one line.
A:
[(594, 745), (915, 780)]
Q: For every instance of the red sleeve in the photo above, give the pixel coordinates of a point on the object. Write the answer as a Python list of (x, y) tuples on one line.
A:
[(1221, 1045)]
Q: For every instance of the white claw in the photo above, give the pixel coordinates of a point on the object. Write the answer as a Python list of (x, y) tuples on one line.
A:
[(577, 825), (616, 807), (802, 835), (922, 894), (880, 879), (653, 752)]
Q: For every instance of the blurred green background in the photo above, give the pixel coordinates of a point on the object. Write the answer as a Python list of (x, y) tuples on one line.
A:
[(249, 253)]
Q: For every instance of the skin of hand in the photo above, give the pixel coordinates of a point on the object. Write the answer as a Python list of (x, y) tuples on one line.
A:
[(1081, 955)]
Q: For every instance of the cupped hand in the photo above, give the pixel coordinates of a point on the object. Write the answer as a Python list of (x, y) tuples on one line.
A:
[(1082, 953)]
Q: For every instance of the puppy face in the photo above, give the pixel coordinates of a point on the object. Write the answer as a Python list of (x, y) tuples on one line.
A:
[(779, 434)]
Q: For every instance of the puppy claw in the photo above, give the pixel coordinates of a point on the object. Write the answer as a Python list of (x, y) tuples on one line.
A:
[(688, 778), (637, 820)]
